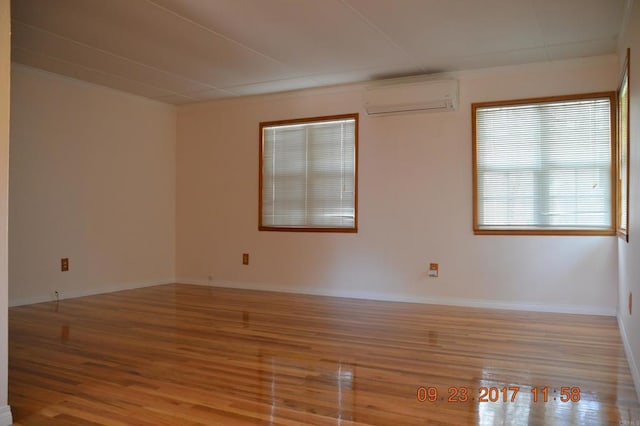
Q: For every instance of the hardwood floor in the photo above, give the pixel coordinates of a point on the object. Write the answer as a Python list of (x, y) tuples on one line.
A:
[(183, 354)]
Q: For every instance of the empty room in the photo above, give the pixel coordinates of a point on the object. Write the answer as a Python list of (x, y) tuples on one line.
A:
[(320, 212)]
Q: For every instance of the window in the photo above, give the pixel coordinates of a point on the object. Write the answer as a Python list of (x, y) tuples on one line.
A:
[(545, 166), (623, 153), (308, 174)]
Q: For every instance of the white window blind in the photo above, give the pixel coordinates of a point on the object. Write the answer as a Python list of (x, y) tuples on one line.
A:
[(309, 174), (544, 166)]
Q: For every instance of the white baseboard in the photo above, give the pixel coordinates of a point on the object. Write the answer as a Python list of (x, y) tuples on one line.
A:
[(389, 297), (5, 416), (635, 373), (87, 292)]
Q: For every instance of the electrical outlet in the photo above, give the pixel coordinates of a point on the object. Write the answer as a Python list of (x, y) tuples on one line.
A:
[(433, 270), (245, 258), (64, 264)]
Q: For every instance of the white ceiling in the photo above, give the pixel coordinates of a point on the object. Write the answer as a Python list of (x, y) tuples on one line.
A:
[(181, 51)]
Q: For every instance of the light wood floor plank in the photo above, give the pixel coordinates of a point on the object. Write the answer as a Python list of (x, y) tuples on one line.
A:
[(194, 355)]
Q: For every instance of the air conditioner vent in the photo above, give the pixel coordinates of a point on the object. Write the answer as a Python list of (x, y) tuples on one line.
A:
[(399, 96)]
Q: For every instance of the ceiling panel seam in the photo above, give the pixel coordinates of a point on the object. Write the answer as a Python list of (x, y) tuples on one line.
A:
[(541, 37), (217, 34), (364, 19), (624, 26), (115, 55), (169, 92)]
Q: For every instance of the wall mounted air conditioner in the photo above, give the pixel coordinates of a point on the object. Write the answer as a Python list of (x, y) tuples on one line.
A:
[(408, 95)]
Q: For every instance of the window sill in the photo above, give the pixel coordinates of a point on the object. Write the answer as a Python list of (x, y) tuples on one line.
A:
[(557, 232), (303, 229)]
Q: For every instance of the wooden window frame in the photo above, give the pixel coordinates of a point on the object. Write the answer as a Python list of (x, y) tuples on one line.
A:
[(353, 229), (477, 230), (622, 229)]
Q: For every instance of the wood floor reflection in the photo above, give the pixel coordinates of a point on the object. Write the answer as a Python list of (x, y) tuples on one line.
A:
[(183, 355)]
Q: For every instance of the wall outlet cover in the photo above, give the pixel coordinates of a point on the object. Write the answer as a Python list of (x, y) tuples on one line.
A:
[(433, 270)]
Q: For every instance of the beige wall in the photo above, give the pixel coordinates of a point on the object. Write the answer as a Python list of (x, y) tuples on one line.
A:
[(629, 253), (5, 61), (415, 205), (92, 179)]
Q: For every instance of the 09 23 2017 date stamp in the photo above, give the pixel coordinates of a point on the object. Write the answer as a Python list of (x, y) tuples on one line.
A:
[(487, 394)]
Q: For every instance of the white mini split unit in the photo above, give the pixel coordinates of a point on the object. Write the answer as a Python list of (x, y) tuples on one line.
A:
[(408, 95)]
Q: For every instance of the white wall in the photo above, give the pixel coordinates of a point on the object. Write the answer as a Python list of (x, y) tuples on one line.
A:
[(92, 178), (629, 253), (415, 205), (5, 64)]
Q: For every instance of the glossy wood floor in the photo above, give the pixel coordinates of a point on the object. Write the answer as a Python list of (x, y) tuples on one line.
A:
[(183, 354)]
